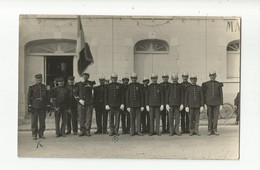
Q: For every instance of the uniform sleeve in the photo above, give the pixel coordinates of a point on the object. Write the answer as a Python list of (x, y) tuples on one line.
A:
[(29, 97), (106, 96), (76, 91), (167, 93), (68, 98), (127, 98), (182, 95), (221, 92), (147, 97), (186, 102), (142, 95), (201, 98), (162, 96), (48, 96), (123, 95), (204, 91)]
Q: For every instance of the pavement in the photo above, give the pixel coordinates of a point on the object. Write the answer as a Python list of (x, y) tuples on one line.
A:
[(225, 146)]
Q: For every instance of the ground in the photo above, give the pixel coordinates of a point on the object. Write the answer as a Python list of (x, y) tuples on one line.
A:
[(225, 146)]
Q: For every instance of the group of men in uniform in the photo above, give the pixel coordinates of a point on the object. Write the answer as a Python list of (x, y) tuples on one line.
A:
[(138, 105)]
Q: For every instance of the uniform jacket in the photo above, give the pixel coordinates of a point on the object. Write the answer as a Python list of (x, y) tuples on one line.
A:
[(61, 96), (237, 101), (114, 95), (38, 97), (212, 92), (134, 95), (99, 96), (84, 91), (124, 89), (175, 95), (72, 99), (194, 97), (154, 95), (164, 86), (184, 87)]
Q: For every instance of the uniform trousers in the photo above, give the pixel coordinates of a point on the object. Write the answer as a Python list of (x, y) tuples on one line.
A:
[(165, 120), (72, 119), (184, 121), (61, 113), (101, 119), (135, 116), (114, 119), (238, 115), (155, 112), (213, 114), (145, 121), (38, 115), (174, 113), (194, 118), (85, 117), (125, 119)]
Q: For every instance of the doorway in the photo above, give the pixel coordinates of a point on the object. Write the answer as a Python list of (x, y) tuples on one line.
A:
[(57, 66)]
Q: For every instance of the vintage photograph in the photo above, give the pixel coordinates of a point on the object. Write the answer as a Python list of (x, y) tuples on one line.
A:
[(129, 87)]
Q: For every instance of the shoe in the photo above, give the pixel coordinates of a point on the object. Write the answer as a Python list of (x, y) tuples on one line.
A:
[(159, 134), (111, 133), (34, 137), (67, 133), (117, 134), (42, 136), (97, 132), (75, 133), (178, 134), (216, 133), (63, 135), (105, 132), (150, 134), (132, 134), (198, 134), (139, 133), (187, 131), (88, 134), (171, 134), (82, 134), (183, 132), (59, 135), (209, 133)]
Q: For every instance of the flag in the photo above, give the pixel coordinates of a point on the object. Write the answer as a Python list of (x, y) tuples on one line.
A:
[(83, 50)]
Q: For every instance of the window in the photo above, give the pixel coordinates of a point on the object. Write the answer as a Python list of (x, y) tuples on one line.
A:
[(233, 59), (151, 46)]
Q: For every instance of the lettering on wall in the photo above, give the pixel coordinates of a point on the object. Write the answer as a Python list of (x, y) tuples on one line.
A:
[(233, 26)]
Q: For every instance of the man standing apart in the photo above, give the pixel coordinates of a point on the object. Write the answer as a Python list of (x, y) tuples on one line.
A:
[(213, 97), (174, 104), (114, 103), (61, 97), (145, 114), (184, 114), (237, 108), (125, 115), (154, 104), (84, 93), (194, 105), (101, 112), (165, 119), (73, 115), (134, 104), (38, 103)]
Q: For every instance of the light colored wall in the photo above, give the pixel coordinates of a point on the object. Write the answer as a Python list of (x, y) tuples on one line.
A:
[(195, 46)]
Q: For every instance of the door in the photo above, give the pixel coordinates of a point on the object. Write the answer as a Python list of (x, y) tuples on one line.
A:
[(57, 66)]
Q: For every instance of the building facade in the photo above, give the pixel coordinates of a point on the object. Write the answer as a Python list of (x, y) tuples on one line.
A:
[(47, 45)]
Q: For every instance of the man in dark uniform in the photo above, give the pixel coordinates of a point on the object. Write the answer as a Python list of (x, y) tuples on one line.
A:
[(213, 97), (73, 115), (154, 104), (84, 93), (38, 103), (145, 114), (135, 104), (194, 105), (113, 103), (237, 108), (165, 120), (125, 115), (174, 104), (184, 114), (61, 97), (101, 112)]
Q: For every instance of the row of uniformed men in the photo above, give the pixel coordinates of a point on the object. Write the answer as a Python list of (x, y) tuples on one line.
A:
[(141, 103)]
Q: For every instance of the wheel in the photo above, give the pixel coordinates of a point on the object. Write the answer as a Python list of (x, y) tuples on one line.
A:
[(227, 111)]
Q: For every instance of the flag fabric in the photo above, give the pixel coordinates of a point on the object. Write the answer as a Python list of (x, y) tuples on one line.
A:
[(83, 50)]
